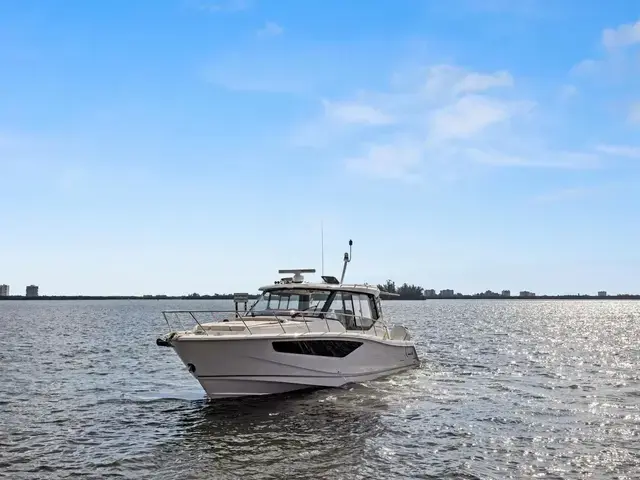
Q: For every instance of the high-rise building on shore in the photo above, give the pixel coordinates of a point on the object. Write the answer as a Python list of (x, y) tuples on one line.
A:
[(4, 290), (32, 291)]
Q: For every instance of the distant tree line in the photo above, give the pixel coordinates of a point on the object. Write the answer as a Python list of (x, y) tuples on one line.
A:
[(416, 292), (404, 291)]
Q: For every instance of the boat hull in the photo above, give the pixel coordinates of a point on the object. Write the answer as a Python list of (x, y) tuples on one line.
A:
[(266, 365)]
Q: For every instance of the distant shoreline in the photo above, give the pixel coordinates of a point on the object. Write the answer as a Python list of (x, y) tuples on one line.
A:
[(124, 297), (253, 297)]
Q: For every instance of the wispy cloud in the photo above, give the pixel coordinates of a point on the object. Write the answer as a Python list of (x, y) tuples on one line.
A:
[(565, 194), (615, 64), (270, 29), (619, 150), (582, 192), (471, 115), (588, 66), (559, 160), (446, 114), (618, 58), (398, 161), (621, 36), (454, 80), (354, 112)]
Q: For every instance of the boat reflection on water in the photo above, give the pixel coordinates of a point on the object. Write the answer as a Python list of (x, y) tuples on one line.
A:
[(312, 434)]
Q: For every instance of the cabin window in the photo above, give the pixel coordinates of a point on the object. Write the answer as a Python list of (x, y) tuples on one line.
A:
[(342, 309), (355, 311), (362, 306), (363, 311), (321, 348)]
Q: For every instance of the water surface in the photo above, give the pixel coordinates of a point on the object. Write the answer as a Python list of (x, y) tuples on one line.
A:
[(507, 389)]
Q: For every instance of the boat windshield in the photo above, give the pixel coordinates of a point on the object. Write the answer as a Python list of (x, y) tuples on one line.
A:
[(274, 301), (356, 311)]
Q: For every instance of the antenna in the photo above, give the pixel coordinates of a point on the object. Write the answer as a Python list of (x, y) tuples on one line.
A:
[(347, 259), (322, 242)]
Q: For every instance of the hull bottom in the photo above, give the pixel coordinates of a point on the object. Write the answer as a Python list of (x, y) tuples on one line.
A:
[(242, 387), (250, 386)]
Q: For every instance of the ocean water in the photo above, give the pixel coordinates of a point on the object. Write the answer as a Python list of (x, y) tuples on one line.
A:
[(507, 389)]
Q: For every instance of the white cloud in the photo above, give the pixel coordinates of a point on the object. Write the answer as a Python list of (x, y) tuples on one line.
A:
[(475, 82), (452, 80), (619, 59), (535, 159), (444, 119), (270, 29), (468, 117), (586, 67), (619, 150), (617, 66), (396, 161), (353, 112), (622, 36)]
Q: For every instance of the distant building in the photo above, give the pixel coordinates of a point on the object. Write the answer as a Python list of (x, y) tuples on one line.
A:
[(32, 291), (447, 293), (526, 293), (506, 293), (430, 293), (4, 290), (601, 293)]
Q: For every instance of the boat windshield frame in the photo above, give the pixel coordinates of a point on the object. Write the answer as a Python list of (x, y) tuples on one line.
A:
[(344, 316), (288, 292)]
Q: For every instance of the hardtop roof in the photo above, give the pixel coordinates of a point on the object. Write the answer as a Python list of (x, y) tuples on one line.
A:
[(354, 288)]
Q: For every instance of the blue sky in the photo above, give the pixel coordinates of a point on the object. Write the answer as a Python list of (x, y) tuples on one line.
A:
[(196, 145)]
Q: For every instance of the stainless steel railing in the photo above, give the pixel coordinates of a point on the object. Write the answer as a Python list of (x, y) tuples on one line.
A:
[(223, 316)]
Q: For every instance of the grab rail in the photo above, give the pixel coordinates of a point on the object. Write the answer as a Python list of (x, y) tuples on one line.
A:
[(300, 317)]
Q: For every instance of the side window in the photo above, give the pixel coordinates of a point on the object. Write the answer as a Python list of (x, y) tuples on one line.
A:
[(378, 308), (364, 311), (356, 311), (342, 309), (361, 304)]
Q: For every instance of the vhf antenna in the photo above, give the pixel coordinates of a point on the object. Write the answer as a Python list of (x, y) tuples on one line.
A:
[(347, 259), (322, 242)]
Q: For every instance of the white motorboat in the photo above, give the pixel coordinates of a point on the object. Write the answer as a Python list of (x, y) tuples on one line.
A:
[(297, 335)]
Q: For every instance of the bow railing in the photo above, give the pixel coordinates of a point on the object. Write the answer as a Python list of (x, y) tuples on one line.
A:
[(220, 322)]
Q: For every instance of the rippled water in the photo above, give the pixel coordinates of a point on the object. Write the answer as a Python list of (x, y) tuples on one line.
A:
[(508, 389)]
